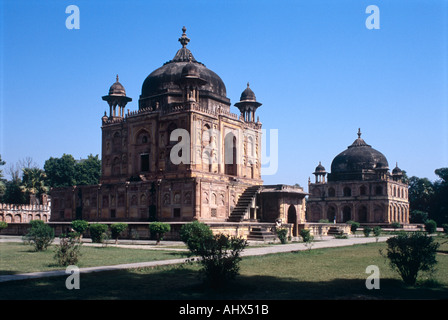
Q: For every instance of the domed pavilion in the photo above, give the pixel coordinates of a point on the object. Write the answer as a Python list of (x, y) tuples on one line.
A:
[(181, 156), (359, 188)]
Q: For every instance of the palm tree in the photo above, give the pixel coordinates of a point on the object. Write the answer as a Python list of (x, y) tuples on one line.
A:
[(33, 181)]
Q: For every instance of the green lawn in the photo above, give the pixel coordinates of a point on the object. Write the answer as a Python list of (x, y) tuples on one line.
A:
[(19, 258), (333, 273)]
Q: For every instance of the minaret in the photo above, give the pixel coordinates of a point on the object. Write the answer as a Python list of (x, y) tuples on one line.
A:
[(116, 97), (320, 173)]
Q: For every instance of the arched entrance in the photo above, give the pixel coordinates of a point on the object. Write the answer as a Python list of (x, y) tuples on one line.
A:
[(292, 218), (346, 214), (362, 214)]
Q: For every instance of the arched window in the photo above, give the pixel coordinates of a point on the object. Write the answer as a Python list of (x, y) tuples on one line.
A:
[(363, 190), (347, 192), (230, 155), (378, 190), (331, 192)]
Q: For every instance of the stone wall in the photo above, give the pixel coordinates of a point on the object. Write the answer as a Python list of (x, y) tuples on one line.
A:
[(24, 213)]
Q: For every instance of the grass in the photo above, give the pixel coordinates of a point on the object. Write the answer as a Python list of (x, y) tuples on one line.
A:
[(333, 273), (19, 258)]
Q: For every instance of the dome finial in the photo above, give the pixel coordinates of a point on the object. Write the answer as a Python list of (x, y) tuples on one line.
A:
[(359, 132), (248, 84), (184, 39), (117, 78)]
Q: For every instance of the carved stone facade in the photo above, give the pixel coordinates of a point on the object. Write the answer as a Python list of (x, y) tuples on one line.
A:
[(182, 156), (359, 187)]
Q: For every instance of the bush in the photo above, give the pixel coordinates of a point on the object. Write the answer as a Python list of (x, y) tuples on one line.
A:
[(98, 232), (417, 216), (220, 258), (116, 229), (353, 226), (324, 221), (194, 235), (377, 231), (68, 250), (40, 236), (445, 228), (158, 229), (430, 226), (3, 225), (282, 234), (396, 225), (305, 234), (80, 226), (366, 230), (410, 253)]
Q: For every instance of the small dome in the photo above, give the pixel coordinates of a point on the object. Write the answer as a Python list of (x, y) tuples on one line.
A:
[(248, 94), (190, 71), (117, 89), (397, 170), (320, 168)]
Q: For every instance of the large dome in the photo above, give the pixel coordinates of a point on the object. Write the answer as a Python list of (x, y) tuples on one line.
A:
[(168, 76), (358, 162)]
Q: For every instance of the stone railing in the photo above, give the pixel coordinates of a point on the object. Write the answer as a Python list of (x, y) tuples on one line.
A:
[(23, 213)]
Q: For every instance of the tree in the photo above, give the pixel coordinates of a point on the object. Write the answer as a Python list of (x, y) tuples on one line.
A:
[(41, 235), (440, 200), (193, 235), (159, 229), (33, 182), (220, 257), (88, 171), (410, 253), (421, 194), (60, 171), (98, 232), (116, 229), (2, 183), (80, 226)]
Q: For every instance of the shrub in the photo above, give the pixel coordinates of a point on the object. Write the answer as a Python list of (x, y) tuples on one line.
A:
[(445, 227), (282, 234), (40, 236), (98, 232), (324, 221), (410, 253), (68, 250), (305, 234), (430, 226), (116, 229), (353, 226), (377, 231), (80, 226), (417, 216), (395, 225), (366, 230), (220, 258), (158, 229), (194, 235), (3, 225)]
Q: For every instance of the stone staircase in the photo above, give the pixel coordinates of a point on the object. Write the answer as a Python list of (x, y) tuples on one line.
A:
[(261, 234), (243, 205), (335, 231)]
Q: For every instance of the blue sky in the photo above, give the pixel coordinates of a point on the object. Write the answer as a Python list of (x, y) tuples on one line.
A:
[(319, 72)]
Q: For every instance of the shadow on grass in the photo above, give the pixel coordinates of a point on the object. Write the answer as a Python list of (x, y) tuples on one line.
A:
[(183, 283)]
